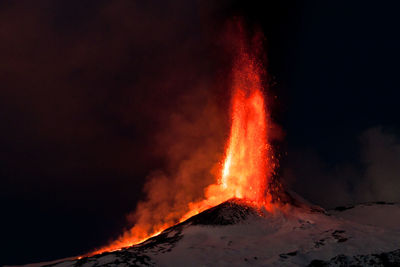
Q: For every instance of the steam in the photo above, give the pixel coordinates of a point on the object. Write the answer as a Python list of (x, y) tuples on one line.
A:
[(193, 144), (381, 156), (376, 179)]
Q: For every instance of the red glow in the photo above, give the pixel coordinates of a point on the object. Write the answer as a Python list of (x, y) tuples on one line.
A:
[(246, 167)]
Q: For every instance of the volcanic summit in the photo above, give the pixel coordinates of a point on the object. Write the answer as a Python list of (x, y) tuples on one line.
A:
[(235, 233), (246, 216)]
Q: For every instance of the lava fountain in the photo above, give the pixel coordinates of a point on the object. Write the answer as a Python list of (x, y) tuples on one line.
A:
[(247, 165)]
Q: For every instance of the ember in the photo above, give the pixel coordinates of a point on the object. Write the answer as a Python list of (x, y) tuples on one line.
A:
[(247, 167)]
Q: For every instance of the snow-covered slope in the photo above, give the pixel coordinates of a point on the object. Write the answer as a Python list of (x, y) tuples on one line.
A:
[(235, 234)]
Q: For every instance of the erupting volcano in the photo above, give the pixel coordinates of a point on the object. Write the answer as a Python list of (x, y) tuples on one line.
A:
[(244, 216), (247, 166)]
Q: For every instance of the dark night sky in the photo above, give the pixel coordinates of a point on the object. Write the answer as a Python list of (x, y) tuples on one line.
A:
[(88, 87)]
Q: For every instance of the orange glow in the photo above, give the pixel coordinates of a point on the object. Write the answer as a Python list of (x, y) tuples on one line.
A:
[(246, 167)]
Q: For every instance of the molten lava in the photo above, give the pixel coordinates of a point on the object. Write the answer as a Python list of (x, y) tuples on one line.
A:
[(246, 167)]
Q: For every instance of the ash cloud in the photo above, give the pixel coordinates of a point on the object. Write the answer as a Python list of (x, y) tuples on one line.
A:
[(92, 96), (376, 177), (381, 157), (193, 144)]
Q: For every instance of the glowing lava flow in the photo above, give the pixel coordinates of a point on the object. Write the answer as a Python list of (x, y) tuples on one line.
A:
[(247, 166), (245, 169)]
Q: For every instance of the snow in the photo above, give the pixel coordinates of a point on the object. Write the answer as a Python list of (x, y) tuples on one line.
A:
[(295, 237), (291, 239), (386, 215)]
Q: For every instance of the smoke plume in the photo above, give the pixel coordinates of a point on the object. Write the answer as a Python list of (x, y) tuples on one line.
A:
[(376, 177)]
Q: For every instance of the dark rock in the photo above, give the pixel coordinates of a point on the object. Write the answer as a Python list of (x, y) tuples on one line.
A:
[(383, 259), (230, 212)]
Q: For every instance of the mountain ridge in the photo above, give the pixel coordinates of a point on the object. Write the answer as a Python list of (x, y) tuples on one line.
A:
[(235, 233)]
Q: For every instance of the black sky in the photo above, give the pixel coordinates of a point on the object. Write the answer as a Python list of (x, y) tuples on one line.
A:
[(86, 88)]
